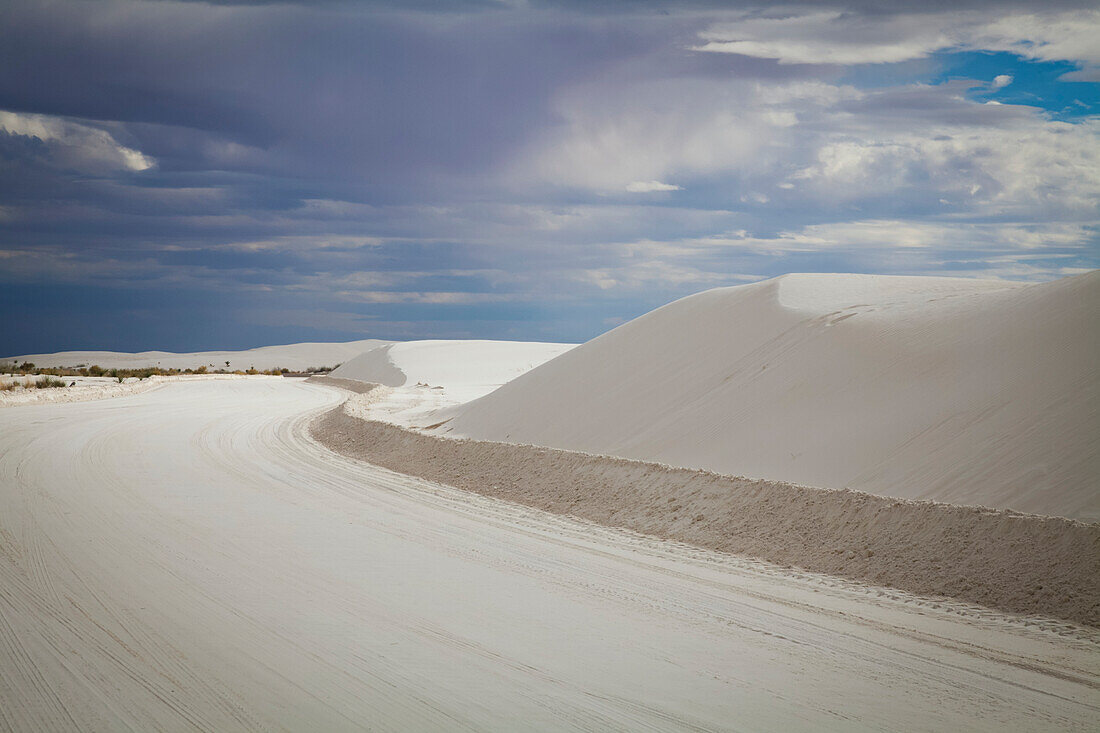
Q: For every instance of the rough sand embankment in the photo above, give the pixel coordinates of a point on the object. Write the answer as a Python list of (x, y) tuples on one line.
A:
[(1005, 560), (351, 385)]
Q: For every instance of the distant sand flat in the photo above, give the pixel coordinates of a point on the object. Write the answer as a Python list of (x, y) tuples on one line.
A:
[(291, 356)]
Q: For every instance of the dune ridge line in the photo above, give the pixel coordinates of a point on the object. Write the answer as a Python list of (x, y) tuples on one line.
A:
[(1020, 563)]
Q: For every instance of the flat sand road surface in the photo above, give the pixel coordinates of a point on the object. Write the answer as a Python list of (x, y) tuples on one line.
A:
[(188, 559)]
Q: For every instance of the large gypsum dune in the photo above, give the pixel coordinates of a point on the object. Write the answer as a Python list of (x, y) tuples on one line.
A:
[(291, 356), (962, 391)]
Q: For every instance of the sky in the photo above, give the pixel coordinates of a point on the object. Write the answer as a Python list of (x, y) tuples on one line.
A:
[(206, 175)]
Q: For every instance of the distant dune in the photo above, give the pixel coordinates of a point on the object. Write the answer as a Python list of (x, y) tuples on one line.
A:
[(292, 356), (955, 390), (458, 364)]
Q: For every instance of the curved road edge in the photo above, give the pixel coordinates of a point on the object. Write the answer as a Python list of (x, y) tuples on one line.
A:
[(1019, 563)]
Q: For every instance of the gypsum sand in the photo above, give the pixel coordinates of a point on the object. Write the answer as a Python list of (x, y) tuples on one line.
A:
[(1021, 563)]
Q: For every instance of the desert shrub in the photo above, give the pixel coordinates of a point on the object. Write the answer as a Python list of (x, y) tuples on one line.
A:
[(49, 382), (201, 370), (7, 386)]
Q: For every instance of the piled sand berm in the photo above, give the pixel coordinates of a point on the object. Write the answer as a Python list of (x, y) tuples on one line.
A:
[(1018, 563)]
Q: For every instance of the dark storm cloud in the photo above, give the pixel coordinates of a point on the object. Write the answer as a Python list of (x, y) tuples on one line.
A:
[(319, 93)]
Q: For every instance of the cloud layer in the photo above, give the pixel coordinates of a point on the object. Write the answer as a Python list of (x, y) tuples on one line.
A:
[(194, 175)]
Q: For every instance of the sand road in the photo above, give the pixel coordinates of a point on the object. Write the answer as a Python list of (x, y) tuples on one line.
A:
[(187, 558)]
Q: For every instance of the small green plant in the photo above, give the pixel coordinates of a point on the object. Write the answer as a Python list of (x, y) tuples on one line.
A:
[(120, 379), (49, 382)]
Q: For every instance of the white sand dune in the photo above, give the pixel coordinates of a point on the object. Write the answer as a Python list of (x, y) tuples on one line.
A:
[(424, 377), (962, 391), (291, 356), (188, 559), (449, 363)]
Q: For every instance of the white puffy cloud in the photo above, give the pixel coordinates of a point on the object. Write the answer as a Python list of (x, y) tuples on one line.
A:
[(813, 145), (1001, 81), (434, 298), (657, 130), (829, 37), (894, 234), (834, 37), (650, 187), (1065, 36), (654, 273), (1029, 167), (74, 144)]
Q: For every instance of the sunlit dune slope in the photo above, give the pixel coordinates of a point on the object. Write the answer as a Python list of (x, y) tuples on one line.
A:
[(963, 391)]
